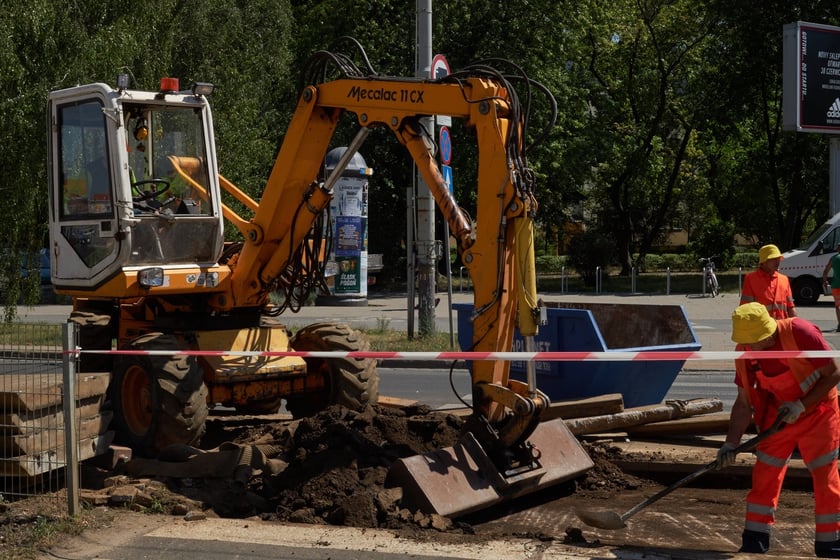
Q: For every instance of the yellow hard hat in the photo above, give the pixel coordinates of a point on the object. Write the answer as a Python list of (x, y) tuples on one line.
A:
[(768, 252), (752, 323)]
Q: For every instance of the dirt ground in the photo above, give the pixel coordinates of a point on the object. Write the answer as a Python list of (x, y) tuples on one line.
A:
[(331, 468)]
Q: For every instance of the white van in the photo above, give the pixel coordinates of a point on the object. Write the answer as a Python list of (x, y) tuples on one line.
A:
[(804, 265)]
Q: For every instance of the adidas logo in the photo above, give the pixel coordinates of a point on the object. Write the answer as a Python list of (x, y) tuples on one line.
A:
[(834, 111)]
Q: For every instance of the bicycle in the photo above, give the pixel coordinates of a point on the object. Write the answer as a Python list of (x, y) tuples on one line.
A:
[(710, 281)]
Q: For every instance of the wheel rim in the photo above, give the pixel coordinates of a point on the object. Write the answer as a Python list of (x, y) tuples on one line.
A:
[(137, 400)]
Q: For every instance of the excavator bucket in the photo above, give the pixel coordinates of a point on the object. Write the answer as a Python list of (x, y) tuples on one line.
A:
[(462, 479)]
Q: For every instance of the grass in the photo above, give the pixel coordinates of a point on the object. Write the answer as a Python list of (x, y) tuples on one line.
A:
[(28, 527), (383, 339), (30, 334)]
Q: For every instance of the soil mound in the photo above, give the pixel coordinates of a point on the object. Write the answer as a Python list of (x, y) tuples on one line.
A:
[(326, 469)]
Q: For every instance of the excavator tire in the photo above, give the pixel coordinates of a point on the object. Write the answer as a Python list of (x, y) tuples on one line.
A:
[(158, 400), (351, 382), (96, 330)]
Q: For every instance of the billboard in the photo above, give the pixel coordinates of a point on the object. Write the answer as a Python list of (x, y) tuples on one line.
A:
[(811, 74)]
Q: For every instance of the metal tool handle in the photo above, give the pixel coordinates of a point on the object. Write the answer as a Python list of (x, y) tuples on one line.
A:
[(746, 446)]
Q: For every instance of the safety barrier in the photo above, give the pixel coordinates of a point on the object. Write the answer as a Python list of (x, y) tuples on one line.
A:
[(34, 452), (619, 356)]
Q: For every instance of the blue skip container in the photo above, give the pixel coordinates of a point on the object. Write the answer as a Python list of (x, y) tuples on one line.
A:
[(602, 327)]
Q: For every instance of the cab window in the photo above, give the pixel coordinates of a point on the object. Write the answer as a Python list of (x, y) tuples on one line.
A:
[(85, 175)]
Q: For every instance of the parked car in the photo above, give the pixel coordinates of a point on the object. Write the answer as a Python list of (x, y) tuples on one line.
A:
[(44, 266)]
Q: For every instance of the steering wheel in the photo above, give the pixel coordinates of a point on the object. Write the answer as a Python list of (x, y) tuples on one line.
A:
[(143, 196)]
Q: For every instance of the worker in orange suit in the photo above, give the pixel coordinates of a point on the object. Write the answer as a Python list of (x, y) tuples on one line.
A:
[(768, 286), (803, 392)]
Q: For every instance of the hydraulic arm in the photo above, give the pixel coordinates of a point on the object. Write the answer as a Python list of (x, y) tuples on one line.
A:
[(496, 248)]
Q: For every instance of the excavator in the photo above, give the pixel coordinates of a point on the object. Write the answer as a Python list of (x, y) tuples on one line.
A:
[(184, 320)]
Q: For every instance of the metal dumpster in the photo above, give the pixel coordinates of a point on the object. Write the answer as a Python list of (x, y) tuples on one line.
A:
[(597, 327)]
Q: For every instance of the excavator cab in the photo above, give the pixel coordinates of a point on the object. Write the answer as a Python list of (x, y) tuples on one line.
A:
[(133, 183)]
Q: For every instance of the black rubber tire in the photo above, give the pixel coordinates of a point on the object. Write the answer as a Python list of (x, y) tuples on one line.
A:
[(158, 400), (351, 382), (96, 331), (806, 290)]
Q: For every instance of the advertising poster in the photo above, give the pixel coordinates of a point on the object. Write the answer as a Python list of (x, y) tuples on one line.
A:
[(348, 279), (812, 77), (349, 236)]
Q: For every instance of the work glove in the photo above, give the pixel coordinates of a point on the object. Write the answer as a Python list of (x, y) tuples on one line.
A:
[(726, 455), (790, 411)]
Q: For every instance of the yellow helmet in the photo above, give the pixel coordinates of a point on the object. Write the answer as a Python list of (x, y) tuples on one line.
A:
[(752, 323), (768, 252)]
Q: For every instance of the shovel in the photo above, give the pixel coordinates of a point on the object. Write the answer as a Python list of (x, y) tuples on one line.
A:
[(612, 521)]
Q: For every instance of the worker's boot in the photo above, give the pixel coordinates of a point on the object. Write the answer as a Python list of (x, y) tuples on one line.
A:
[(755, 541), (827, 549)]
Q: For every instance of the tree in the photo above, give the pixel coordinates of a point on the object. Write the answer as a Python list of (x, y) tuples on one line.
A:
[(772, 182), (641, 59)]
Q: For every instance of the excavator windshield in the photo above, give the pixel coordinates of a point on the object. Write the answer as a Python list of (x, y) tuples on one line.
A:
[(169, 186)]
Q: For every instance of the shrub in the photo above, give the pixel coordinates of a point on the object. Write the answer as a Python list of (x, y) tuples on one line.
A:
[(589, 251), (550, 264)]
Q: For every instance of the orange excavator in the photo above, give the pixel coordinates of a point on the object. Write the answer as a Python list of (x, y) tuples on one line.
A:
[(137, 215)]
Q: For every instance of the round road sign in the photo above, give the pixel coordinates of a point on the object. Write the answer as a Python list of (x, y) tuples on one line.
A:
[(445, 141), (440, 68)]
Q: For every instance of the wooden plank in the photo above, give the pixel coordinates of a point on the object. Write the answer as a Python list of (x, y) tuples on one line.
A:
[(53, 459), (395, 402), (38, 442), (47, 418), (643, 415), (646, 458), (706, 424), (611, 403), (31, 392)]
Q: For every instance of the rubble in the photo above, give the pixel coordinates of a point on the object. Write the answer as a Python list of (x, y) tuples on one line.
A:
[(325, 469)]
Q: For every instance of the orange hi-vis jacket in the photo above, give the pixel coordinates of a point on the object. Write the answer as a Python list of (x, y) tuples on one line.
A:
[(767, 393), (771, 290), (815, 434)]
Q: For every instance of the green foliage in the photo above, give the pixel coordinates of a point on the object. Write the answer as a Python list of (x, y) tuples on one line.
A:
[(746, 260), (715, 240), (669, 111), (667, 262), (550, 264), (590, 251)]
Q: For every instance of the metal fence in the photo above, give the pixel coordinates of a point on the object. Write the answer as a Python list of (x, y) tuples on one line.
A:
[(39, 426)]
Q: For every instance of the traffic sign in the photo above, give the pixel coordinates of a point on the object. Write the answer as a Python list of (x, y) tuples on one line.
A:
[(445, 141), (446, 171), (440, 67)]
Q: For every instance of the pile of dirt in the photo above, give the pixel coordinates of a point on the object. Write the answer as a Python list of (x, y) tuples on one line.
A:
[(326, 469), (338, 461)]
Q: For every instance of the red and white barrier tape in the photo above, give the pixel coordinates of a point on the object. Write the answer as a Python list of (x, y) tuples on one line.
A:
[(616, 356)]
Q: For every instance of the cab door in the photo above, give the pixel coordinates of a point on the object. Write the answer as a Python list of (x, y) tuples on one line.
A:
[(84, 174)]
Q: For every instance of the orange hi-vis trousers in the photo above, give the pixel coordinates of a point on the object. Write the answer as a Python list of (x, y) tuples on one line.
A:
[(815, 433)]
